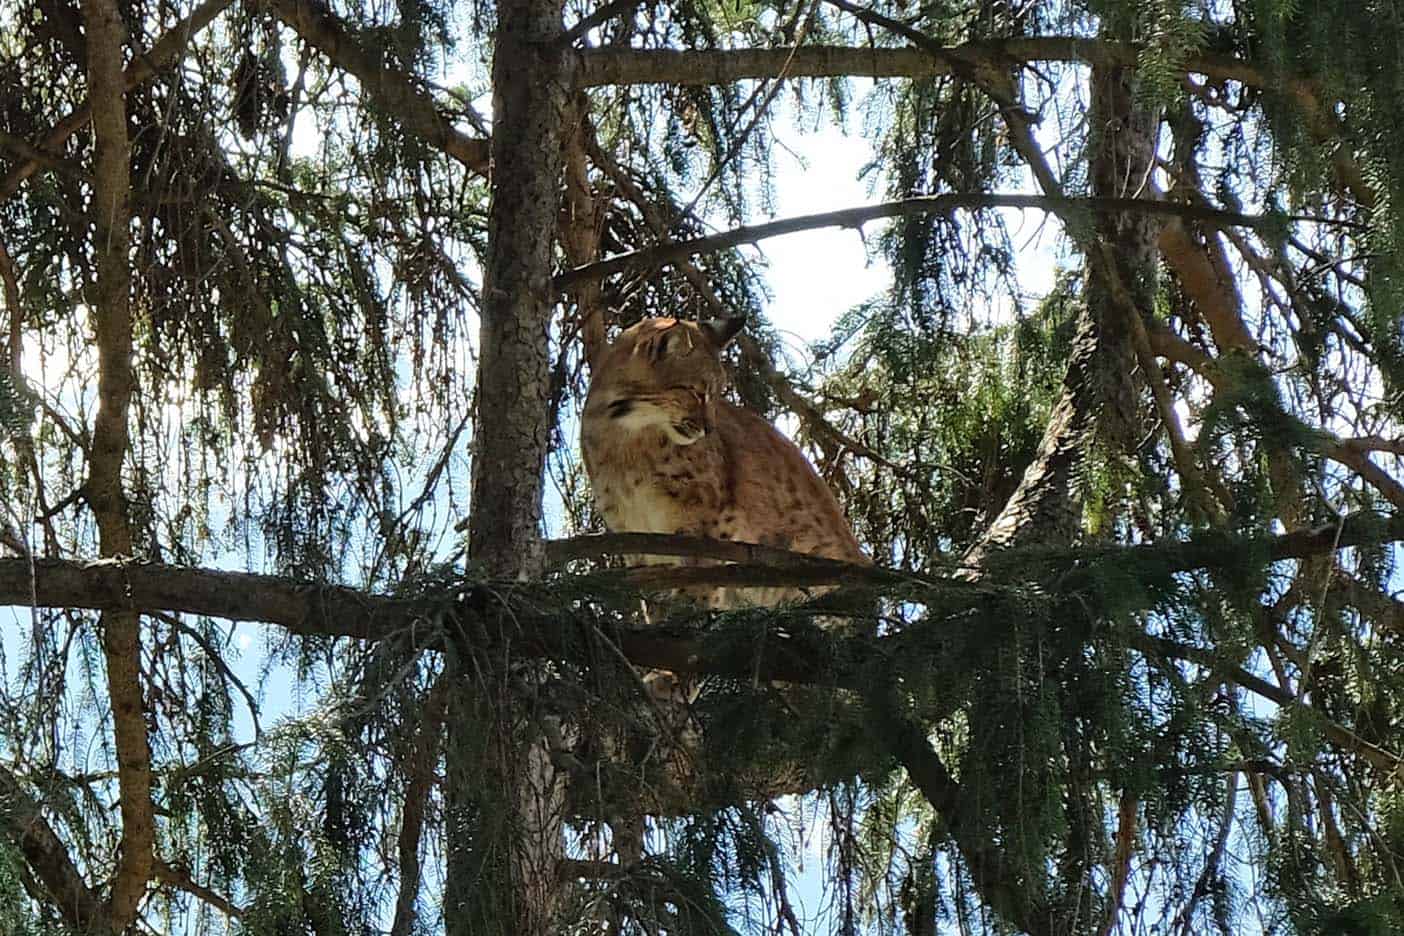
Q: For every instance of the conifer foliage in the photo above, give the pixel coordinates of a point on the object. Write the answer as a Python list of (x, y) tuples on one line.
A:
[(300, 301)]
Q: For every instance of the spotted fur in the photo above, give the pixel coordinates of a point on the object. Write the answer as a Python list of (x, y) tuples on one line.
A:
[(667, 453)]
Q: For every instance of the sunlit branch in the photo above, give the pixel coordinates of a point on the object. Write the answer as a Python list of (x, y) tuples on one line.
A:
[(1206, 277), (1066, 208)]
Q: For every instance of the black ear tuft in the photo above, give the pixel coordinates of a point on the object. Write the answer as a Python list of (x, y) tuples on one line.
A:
[(722, 330)]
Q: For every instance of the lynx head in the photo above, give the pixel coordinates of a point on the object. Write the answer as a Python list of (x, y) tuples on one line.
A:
[(663, 373)]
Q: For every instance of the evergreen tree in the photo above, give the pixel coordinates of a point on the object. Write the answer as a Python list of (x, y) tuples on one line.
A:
[(313, 291)]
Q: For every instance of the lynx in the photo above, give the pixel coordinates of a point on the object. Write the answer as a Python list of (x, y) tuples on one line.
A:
[(666, 453)]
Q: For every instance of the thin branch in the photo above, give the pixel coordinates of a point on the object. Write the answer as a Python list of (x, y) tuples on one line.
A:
[(1185, 918), (423, 758), (214, 656), (11, 292), (580, 226), (1121, 858), (598, 18), (1209, 491), (181, 880), (393, 91), (1384, 760), (925, 204)]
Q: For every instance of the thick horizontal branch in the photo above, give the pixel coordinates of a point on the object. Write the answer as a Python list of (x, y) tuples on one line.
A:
[(334, 610), (1065, 208), (487, 615), (337, 611)]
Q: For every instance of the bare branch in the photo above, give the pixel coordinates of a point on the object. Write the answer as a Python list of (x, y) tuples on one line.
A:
[(181, 880), (598, 18), (620, 66), (925, 204)]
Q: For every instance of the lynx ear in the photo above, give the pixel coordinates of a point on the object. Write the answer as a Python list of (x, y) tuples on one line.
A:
[(722, 330)]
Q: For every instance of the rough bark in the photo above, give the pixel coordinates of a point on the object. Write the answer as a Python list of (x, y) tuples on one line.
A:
[(121, 630), (1098, 396), (529, 101), (506, 836)]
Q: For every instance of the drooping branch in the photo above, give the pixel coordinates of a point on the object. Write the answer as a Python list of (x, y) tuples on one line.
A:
[(166, 50), (921, 205), (393, 91)]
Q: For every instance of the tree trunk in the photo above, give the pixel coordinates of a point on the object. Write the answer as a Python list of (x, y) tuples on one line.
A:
[(504, 834), (529, 102), (1099, 393), (121, 630)]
